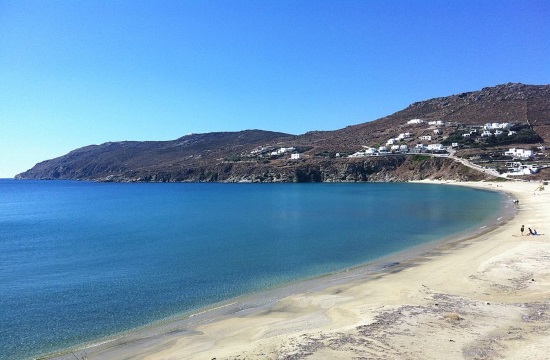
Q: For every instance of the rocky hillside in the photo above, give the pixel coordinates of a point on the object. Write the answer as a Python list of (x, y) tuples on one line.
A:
[(263, 156), (513, 103)]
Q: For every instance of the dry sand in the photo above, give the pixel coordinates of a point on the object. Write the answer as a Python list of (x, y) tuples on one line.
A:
[(486, 297)]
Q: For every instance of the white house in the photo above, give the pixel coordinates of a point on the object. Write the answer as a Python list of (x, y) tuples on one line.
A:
[(510, 133), (438, 132), (295, 156), (436, 147), (467, 135), (394, 148), (455, 145), (403, 148), (493, 126), (382, 150), (415, 121), (426, 137), (486, 133), (498, 132), (357, 154), (404, 136), (392, 141), (519, 153), (282, 150), (436, 123), (370, 151), (517, 168)]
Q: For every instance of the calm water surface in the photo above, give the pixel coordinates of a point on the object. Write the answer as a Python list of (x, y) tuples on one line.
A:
[(79, 261)]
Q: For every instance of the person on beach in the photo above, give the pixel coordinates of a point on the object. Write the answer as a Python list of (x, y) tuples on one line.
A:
[(532, 232), (522, 229)]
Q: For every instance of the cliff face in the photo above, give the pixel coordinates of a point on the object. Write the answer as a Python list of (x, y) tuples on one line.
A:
[(246, 155), (375, 169)]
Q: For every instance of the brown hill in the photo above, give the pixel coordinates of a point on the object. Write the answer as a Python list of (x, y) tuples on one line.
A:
[(246, 155), (513, 103)]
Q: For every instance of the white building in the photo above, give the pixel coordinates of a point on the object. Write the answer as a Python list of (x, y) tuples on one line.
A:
[(486, 133), (370, 151), (494, 126), (467, 135), (415, 121), (382, 150), (517, 168), (392, 141), (498, 132), (426, 137), (436, 147), (282, 151), (394, 148), (403, 148), (438, 132), (404, 136), (295, 156), (519, 153)]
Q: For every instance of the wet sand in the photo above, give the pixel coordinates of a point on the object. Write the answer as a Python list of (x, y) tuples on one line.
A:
[(484, 297)]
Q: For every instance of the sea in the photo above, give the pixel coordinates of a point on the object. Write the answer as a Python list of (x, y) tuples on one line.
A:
[(81, 261)]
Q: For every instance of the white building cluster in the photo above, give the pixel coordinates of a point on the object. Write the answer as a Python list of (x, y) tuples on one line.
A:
[(491, 129), (401, 137)]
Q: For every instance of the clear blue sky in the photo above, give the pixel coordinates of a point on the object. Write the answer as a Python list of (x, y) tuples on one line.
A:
[(74, 73)]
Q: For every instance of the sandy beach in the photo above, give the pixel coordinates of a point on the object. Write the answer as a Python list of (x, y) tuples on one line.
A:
[(485, 297)]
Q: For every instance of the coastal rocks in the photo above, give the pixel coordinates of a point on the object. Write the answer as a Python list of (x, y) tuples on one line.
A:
[(394, 168)]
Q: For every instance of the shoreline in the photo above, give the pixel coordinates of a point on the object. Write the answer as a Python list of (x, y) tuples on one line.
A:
[(174, 338)]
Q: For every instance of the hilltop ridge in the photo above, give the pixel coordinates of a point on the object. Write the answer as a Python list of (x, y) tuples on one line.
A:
[(265, 156)]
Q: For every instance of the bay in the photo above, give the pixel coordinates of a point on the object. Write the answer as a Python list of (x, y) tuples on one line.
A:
[(80, 261)]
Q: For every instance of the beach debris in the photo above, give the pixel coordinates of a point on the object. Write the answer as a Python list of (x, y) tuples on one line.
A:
[(452, 317)]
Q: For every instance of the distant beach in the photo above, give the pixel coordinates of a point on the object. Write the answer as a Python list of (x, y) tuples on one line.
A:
[(480, 297)]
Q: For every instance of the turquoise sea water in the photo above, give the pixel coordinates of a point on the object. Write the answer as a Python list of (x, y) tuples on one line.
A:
[(79, 261)]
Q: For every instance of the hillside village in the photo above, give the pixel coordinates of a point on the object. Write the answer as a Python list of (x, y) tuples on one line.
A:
[(440, 138)]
